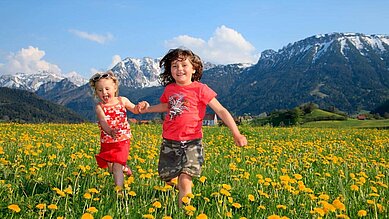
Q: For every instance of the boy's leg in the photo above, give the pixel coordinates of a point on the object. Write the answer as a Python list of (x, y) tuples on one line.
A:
[(118, 176), (184, 187)]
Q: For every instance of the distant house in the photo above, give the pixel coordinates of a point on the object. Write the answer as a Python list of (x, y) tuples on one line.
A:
[(361, 117), (210, 119)]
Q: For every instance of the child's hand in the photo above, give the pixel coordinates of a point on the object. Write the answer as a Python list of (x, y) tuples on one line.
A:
[(113, 133), (142, 106), (240, 140)]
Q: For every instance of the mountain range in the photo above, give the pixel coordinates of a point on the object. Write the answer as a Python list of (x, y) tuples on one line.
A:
[(347, 71)]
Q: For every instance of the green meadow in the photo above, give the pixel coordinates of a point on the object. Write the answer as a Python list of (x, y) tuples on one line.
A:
[(49, 171)]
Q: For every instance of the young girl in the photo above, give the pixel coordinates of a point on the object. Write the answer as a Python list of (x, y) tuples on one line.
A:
[(115, 130), (185, 99)]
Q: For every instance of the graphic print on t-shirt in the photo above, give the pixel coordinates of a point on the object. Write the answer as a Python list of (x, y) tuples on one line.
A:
[(177, 105)]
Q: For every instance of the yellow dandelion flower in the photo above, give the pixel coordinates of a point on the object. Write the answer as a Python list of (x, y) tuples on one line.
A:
[(132, 193), (374, 195), (148, 216), (320, 211), (225, 192), (339, 205), (261, 207), (206, 199), (229, 214), (380, 208), (274, 217), (362, 213), (370, 202), (236, 205), (342, 216), (93, 190), (52, 207), (92, 210), (202, 179), (60, 193), (251, 197), (157, 204), (374, 189), (324, 197), (281, 207), (227, 187), (14, 208), (167, 217), (68, 190), (189, 208), (354, 187), (41, 206), (87, 216), (185, 200), (107, 217), (327, 206), (151, 210), (297, 176), (87, 195), (202, 216)]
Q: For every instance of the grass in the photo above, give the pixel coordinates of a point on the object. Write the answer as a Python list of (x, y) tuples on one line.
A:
[(49, 171), (350, 123)]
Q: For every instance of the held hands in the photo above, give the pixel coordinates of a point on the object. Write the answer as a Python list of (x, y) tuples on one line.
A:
[(142, 106)]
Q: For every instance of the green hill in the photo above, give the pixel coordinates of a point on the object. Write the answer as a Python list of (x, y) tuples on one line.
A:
[(23, 106), (321, 115)]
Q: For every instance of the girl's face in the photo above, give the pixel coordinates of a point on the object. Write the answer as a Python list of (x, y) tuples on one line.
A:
[(106, 90), (182, 71)]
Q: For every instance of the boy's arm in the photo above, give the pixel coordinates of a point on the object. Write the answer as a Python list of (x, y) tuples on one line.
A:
[(159, 108), (223, 113)]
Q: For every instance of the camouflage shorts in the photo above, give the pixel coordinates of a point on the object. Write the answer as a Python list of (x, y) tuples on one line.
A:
[(177, 157)]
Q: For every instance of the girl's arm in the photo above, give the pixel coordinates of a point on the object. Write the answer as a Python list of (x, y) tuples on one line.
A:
[(223, 113), (130, 106), (103, 123)]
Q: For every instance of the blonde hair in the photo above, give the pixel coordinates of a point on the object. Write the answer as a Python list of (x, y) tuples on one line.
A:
[(103, 75)]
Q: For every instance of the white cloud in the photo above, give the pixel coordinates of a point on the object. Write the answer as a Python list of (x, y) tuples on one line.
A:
[(29, 61), (226, 46), (115, 60), (98, 38)]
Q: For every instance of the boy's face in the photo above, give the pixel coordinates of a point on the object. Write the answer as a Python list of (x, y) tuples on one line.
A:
[(182, 71)]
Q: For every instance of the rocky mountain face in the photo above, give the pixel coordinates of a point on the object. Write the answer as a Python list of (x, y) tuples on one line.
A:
[(348, 71)]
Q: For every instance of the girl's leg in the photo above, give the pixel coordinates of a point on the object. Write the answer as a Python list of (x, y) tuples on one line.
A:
[(118, 176), (110, 167), (184, 187)]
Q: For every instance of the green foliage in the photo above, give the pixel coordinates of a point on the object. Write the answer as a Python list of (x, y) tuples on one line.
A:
[(24, 106), (299, 115), (382, 109)]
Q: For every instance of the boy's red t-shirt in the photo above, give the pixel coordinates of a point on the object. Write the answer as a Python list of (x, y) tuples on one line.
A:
[(187, 106)]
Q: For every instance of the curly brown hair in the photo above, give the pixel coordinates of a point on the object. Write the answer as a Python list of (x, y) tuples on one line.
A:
[(179, 54)]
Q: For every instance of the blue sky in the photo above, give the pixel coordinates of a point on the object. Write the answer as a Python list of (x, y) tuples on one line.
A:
[(85, 36)]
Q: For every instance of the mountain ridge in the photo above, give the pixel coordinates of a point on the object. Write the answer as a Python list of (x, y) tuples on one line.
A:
[(348, 71)]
